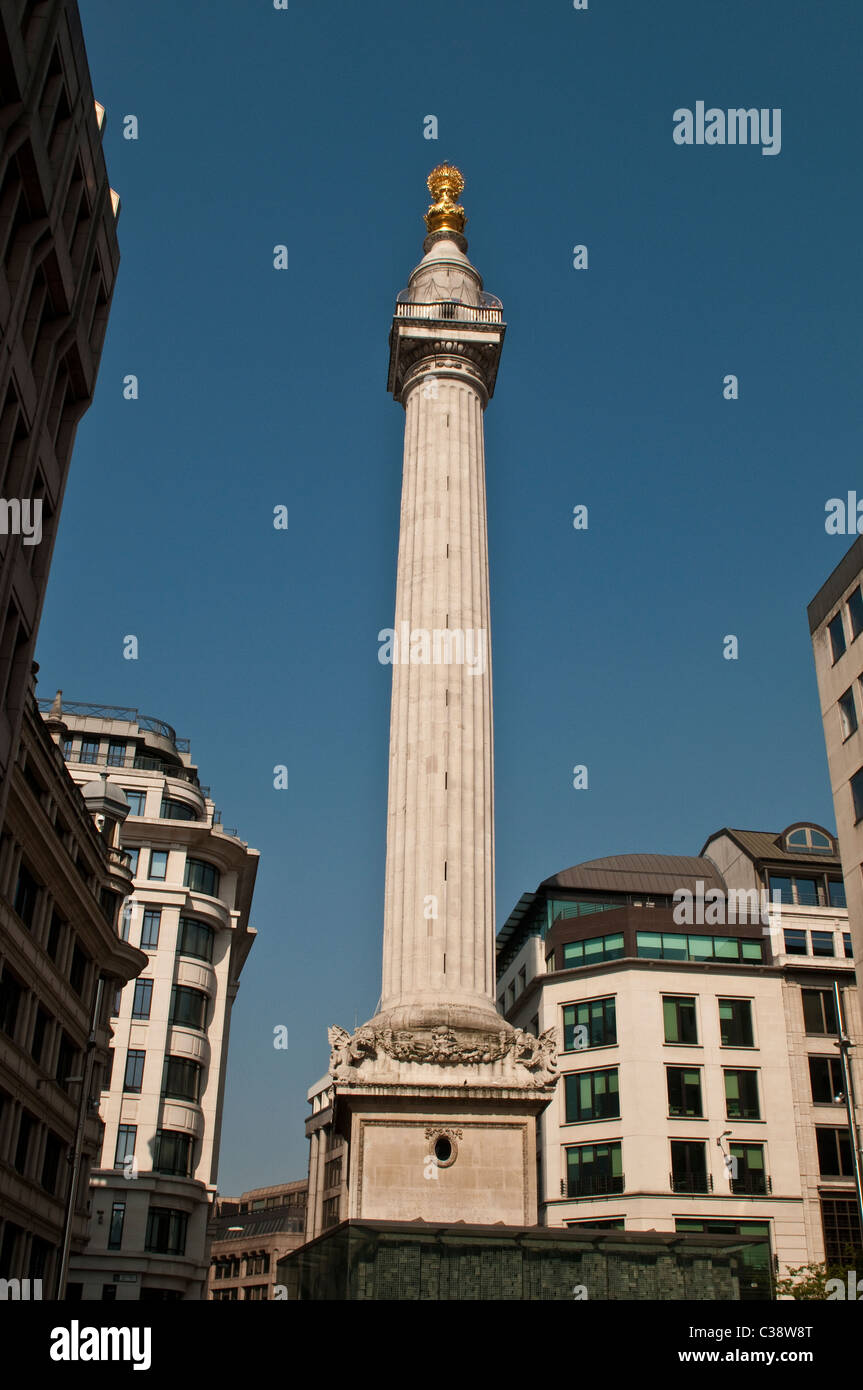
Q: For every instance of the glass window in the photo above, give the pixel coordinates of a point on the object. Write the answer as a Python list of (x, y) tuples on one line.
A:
[(125, 1144), (795, 942), (750, 1177), (133, 859), (780, 889), (649, 944), (591, 1095), (158, 864), (847, 713), (172, 1153), (807, 891), (836, 892), (842, 1235), (689, 1166), (678, 1012), (735, 1022), (597, 948), (26, 896), (594, 1170), (741, 1095), (115, 1230), (751, 950), (115, 1007), (172, 809), (825, 1080), (837, 637), (846, 942), (137, 801), (755, 1259), (819, 1011), (89, 750), (857, 794), (597, 1016), (182, 1078), (855, 612), (195, 939), (684, 1091), (116, 754), (834, 1153), (202, 877), (166, 1231), (142, 999), (150, 928), (823, 944), (134, 1077), (188, 1007)]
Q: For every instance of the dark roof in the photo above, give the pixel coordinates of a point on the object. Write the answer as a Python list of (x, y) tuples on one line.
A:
[(638, 873), (767, 844), (832, 589)]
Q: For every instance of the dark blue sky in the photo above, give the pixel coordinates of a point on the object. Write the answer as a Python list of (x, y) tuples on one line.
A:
[(260, 387)]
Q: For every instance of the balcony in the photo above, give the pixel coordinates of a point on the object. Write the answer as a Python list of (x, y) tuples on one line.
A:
[(593, 1185), (752, 1185), (451, 309), (690, 1182)]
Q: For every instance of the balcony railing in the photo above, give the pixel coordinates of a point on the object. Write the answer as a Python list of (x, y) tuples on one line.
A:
[(593, 1185), (135, 761), (451, 309), (752, 1185), (691, 1182), (125, 713)]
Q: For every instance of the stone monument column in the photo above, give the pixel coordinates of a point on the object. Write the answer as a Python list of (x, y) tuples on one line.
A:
[(437, 1095)]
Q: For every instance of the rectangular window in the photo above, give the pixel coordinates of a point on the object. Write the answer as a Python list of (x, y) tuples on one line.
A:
[(125, 1144), (118, 999), (689, 1166), (143, 998), (837, 637), (855, 612), (10, 998), (857, 794), (846, 942), (750, 1178), (735, 1022), (741, 1095), (195, 939), (115, 1230), (806, 890), (780, 889), (137, 801), (843, 1240), (78, 969), (836, 892), (678, 1013), (89, 750), (116, 754), (150, 928), (166, 1231), (834, 1153), (594, 1170), (676, 946), (847, 713), (126, 920), (795, 942), (684, 1091), (597, 1016), (26, 896), (54, 1148), (159, 864), (825, 1080), (592, 1095), (819, 1011), (172, 1153), (182, 1078), (188, 1007), (590, 952), (134, 1077), (823, 943), (133, 860), (202, 877)]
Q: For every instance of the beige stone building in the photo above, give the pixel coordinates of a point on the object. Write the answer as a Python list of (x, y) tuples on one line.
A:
[(836, 622), (58, 263), (700, 1087), (63, 879), (162, 1104), (248, 1235)]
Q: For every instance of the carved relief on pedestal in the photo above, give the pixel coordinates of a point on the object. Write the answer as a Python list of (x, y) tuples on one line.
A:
[(447, 1047)]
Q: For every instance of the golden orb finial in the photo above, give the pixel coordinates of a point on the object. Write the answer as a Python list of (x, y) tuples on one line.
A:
[(445, 183)]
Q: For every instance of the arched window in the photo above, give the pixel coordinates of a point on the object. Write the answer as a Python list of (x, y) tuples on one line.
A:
[(807, 839)]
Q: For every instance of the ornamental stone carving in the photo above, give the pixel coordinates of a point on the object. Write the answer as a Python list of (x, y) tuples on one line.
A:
[(446, 1047)]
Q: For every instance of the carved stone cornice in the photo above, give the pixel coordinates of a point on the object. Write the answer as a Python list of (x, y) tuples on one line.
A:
[(508, 1056), (444, 347)]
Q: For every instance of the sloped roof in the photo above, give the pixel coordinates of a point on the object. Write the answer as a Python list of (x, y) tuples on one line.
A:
[(639, 873), (767, 844)]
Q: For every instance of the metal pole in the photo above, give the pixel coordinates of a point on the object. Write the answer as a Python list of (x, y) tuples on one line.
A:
[(845, 1044), (83, 1103)]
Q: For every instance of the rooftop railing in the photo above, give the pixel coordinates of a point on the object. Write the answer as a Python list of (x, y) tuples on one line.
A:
[(451, 309), (124, 712)]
